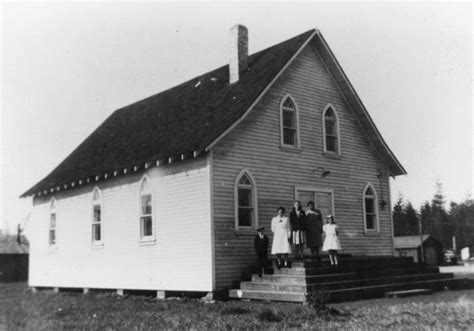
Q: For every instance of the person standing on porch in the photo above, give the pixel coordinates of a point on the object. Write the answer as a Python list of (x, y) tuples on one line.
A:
[(261, 248), (314, 230), (281, 238), (331, 240), (298, 236)]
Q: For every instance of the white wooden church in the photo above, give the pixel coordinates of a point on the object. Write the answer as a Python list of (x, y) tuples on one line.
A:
[(166, 194)]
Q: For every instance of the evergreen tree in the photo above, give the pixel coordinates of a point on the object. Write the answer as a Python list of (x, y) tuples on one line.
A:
[(411, 219), (462, 220), (438, 199), (398, 217), (405, 220), (442, 228), (425, 215)]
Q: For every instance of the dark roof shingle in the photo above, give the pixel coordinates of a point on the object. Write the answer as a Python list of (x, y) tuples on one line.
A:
[(191, 116), (180, 120)]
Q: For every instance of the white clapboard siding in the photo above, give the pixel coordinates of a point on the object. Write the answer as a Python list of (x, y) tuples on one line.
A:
[(180, 258), (255, 145)]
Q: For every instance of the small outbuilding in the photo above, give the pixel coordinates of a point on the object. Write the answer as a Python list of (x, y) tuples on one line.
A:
[(466, 253), (14, 255), (411, 246)]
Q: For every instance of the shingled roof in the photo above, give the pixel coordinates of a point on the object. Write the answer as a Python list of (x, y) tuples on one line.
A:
[(409, 241), (184, 120)]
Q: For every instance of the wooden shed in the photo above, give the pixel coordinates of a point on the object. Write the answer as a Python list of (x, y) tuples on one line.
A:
[(14, 256), (411, 246)]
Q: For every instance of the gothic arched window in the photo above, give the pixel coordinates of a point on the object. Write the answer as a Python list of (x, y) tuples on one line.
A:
[(245, 201), (331, 131)]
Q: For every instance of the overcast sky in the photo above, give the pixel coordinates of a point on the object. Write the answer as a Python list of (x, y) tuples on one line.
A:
[(67, 66)]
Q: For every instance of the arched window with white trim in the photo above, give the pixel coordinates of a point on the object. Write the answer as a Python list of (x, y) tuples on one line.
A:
[(331, 131), (96, 216), (146, 209), (289, 123), (245, 201), (370, 208), (52, 222)]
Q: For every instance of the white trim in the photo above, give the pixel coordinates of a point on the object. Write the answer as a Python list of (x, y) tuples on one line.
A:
[(261, 94), (101, 223), (150, 191), (389, 205), (297, 122), (210, 163), (315, 190), (53, 208), (376, 209), (254, 201), (338, 131)]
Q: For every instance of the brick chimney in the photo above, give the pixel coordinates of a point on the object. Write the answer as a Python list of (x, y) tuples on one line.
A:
[(238, 52)]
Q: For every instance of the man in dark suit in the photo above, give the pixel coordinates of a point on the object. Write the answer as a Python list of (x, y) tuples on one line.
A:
[(261, 248)]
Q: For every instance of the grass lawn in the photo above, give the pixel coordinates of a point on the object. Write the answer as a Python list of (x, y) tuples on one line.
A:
[(22, 310)]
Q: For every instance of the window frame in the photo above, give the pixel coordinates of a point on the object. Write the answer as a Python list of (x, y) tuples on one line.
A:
[(253, 199), (145, 188), (297, 122), (95, 203), (374, 199), (53, 211), (338, 132)]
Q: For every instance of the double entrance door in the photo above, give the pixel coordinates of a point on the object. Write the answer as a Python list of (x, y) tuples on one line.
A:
[(323, 199)]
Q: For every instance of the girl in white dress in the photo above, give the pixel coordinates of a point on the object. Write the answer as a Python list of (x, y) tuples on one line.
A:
[(331, 240), (281, 236)]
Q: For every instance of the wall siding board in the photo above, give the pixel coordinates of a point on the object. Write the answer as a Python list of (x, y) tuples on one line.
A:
[(181, 205), (255, 145)]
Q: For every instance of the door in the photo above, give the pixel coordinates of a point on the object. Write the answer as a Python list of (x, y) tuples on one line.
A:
[(431, 257), (323, 199)]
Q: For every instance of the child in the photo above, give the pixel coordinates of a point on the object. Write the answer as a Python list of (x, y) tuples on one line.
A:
[(331, 241), (261, 248)]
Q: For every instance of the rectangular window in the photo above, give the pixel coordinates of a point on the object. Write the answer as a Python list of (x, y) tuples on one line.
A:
[(289, 128), (331, 134), (52, 229), (146, 220), (370, 216), (96, 224), (245, 207)]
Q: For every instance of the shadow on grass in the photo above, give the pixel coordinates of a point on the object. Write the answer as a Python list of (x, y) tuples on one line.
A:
[(318, 298), (268, 315), (234, 311)]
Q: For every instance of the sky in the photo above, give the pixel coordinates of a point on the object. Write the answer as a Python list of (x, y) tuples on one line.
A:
[(65, 67)]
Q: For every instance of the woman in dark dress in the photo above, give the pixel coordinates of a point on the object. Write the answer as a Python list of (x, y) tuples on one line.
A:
[(314, 230), (298, 223)]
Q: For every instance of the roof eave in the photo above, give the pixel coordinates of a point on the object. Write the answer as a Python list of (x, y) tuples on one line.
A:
[(395, 166)]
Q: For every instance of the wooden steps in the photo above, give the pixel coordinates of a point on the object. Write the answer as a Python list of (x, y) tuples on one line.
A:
[(274, 286), (355, 278), (402, 294)]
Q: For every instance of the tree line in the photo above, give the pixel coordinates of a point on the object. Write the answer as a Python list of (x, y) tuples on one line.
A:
[(443, 224)]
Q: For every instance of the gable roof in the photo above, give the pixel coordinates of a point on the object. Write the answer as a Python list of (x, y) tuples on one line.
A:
[(181, 121), (408, 241)]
